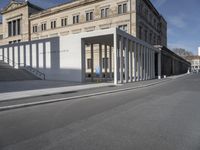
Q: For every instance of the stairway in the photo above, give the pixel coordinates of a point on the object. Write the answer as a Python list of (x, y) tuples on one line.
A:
[(8, 73)]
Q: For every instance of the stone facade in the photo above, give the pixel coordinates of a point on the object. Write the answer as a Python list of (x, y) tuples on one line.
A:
[(137, 17)]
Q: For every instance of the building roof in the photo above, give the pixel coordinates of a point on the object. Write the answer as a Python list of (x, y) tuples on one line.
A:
[(167, 50), (13, 5), (192, 57), (151, 6), (62, 7)]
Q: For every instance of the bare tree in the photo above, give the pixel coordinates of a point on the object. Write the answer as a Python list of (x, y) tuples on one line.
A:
[(182, 52)]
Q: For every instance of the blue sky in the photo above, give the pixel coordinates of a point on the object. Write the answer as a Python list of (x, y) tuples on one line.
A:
[(183, 18)]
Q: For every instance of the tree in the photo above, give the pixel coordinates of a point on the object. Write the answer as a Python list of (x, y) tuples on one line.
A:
[(182, 52)]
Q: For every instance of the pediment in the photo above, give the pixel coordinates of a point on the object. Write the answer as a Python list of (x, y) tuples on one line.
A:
[(12, 6)]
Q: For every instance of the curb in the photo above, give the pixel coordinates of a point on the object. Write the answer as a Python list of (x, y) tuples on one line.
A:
[(4, 108)]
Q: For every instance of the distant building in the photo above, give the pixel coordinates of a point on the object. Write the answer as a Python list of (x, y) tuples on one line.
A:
[(199, 51), (195, 62)]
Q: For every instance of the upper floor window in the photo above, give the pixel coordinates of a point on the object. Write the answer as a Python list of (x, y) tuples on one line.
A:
[(104, 12), (53, 24), (122, 8), (43, 26), (35, 29), (14, 27), (64, 22), (75, 19), (140, 32), (123, 27), (89, 16), (1, 36)]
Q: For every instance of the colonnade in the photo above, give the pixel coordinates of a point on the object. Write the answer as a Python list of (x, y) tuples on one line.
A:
[(135, 61), (105, 53)]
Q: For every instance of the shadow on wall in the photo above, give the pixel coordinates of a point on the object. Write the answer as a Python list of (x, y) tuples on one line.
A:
[(43, 55)]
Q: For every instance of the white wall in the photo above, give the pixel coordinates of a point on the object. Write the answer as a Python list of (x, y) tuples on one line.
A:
[(58, 58)]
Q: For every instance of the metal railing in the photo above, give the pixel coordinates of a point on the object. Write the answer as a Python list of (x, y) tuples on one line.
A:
[(30, 69), (35, 72)]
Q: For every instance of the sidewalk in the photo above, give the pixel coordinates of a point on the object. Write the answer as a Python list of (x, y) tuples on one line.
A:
[(65, 87), (49, 91)]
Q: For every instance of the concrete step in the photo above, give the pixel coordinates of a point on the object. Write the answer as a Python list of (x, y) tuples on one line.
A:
[(8, 73), (16, 75), (4, 65)]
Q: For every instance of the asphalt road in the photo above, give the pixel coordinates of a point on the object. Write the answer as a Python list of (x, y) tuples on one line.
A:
[(162, 117)]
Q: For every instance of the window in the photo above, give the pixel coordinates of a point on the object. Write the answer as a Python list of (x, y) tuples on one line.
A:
[(1, 36), (140, 32), (53, 24), (18, 27), (34, 28), (119, 9), (145, 35), (64, 22), (104, 12), (89, 65), (123, 27), (125, 8), (122, 8), (105, 63), (14, 27), (89, 16), (43, 26), (75, 19), (9, 29), (150, 37)]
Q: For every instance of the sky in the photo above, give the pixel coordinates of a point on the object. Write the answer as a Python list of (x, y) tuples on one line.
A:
[(182, 16)]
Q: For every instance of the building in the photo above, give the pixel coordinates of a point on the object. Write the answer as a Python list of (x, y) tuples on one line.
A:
[(195, 62), (86, 40), (24, 21), (198, 51)]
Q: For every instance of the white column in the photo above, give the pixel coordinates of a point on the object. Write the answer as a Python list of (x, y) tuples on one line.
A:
[(1, 53), (11, 56), (106, 61), (92, 62), (146, 63), (139, 51), (126, 61), (144, 50), (135, 60), (110, 62), (83, 56), (100, 61), (131, 61), (151, 64), (116, 50), (142, 62), (16, 57), (121, 60), (159, 65)]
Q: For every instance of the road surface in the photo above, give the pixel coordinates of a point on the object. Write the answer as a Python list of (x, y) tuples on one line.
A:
[(161, 117)]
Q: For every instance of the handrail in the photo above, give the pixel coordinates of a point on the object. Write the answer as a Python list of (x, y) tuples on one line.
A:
[(26, 67), (35, 71), (10, 60)]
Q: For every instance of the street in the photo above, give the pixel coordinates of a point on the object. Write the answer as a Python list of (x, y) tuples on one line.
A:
[(161, 117)]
